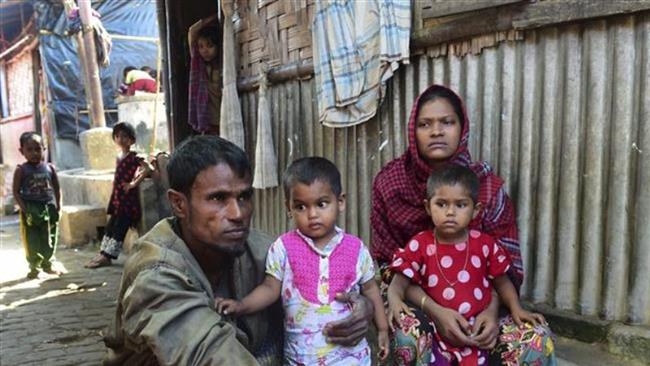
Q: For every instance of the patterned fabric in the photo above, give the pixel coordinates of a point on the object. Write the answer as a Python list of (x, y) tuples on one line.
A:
[(113, 239), (123, 202), (36, 182), (305, 318), (198, 96), (455, 277), (400, 188), (357, 47), (532, 345), (412, 343)]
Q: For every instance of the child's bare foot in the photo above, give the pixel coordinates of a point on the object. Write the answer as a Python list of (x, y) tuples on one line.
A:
[(52, 272), (32, 274)]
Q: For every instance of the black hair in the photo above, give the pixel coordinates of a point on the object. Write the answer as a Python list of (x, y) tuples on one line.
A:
[(31, 135), (198, 153), (452, 174), (444, 93), (126, 70), (124, 127), (210, 33), (310, 169), (146, 69)]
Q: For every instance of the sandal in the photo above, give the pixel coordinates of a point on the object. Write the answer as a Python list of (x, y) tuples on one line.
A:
[(100, 260), (52, 271)]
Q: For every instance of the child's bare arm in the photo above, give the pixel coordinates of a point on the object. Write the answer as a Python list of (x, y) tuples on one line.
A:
[(194, 30), (261, 297), (509, 297), (56, 187), (371, 291), (396, 304), (18, 176)]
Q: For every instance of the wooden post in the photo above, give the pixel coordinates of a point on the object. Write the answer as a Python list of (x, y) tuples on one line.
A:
[(96, 103)]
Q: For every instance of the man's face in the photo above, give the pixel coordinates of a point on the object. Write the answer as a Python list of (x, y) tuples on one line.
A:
[(219, 211)]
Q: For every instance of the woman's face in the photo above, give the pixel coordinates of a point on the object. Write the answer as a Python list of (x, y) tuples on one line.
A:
[(437, 131), (207, 49)]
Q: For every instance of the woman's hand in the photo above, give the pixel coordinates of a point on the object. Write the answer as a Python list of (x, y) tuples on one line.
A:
[(352, 329), (520, 316), (453, 327), (486, 329)]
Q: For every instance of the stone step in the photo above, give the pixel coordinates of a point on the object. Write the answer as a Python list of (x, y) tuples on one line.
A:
[(79, 224), (86, 187)]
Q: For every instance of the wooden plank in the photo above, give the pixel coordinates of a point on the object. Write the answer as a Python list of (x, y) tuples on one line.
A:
[(517, 16), (440, 8), (272, 37), (554, 11)]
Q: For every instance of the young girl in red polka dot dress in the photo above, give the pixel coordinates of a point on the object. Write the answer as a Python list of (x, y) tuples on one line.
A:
[(455, 266)]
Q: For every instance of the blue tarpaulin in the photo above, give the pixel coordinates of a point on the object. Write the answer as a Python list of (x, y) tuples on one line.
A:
[(61, 62)]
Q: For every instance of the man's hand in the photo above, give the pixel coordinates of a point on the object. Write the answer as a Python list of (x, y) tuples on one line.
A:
[(453, 327), (228, 306), (350, 330)]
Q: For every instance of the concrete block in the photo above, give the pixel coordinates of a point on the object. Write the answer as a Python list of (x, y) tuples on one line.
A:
[(86, 187), (630, 341), (78, 224), (67, 154), (99, 150)]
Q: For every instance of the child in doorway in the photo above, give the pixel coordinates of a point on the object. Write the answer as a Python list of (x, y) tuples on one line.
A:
[(204, 104), (308, 266), (37, 192), (124, 205), (456, 267)]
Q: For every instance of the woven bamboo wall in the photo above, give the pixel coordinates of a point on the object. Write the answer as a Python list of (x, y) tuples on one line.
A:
[(276, 32)]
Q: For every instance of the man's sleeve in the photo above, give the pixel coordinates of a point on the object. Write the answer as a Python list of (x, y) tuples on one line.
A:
[(165, 312)]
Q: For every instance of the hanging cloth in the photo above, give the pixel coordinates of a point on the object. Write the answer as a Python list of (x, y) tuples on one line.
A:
[(357, 46), (103, 42), (266, 163), (198, 96), (231, 125)]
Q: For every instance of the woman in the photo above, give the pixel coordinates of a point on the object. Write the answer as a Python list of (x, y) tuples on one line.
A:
[(438, 134)]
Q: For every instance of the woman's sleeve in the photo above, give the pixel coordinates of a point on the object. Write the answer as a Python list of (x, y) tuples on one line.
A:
[(500, 222), (383, 242)]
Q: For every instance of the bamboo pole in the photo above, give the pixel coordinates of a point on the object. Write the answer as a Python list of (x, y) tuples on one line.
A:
[(96, 103)]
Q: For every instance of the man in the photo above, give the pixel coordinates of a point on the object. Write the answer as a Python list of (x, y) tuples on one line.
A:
[(165, 312)]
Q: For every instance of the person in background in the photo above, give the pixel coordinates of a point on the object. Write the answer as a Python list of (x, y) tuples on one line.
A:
[(37, 192), (124, 205), (137, 80), (204, 104)]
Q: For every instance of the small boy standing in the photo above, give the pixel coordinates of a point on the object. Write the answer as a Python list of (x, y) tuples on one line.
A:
[(124, 205), (307, 267), (456, 267), (37, 192)]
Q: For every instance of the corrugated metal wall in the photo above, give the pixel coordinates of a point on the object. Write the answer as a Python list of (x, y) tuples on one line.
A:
[(563, 118)]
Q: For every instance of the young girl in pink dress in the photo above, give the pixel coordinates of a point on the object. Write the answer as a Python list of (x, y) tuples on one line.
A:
[(455, 266), (308, 266)]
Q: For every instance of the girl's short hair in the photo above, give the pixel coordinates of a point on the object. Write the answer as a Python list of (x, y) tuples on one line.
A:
[(124, 127), (452, 174)]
